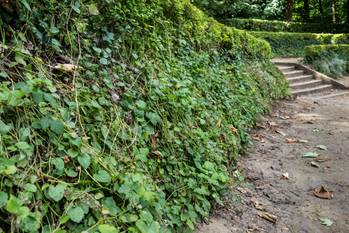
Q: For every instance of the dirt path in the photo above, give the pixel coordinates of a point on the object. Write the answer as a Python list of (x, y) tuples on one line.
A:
[(267, 190)]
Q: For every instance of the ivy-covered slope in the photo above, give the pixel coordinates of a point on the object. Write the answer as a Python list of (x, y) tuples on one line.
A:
[(122, 116)]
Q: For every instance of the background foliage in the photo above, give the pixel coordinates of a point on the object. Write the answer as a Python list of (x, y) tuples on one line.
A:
[(122, 116)]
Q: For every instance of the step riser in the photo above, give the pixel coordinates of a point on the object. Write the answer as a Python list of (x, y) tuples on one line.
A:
[(303, 79), (307, 92), (305, 85), (287, 69), (294, 74)]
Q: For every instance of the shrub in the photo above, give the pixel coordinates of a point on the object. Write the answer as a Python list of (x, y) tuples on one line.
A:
[(293, 44), (283, 26), (140, 130), (332, 60)]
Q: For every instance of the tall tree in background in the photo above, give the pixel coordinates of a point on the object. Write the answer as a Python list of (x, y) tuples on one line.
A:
[(306, 11), (289, 10), (333, 9), (321, 10), (348, 12)]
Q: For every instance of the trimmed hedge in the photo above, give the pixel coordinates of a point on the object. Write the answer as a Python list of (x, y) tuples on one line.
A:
[(293, 44), (332, 60), (282, 26)]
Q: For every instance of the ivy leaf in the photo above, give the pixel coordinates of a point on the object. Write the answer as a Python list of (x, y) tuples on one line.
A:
[(30, 188), (103, 61), (110, 206), (4, 129), (84, 160), (57, 127), (58, 163), (76, 214), (3, 199), (92, 9), (153, 117), (30, 223), (14, 206), (26, 5), (56, 193), (106, 228), (102, 176)]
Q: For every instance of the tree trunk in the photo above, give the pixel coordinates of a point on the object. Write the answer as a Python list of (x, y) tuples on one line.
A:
[(333, 8), (306, 14), (289, 10), (348, 13), (321, 9)]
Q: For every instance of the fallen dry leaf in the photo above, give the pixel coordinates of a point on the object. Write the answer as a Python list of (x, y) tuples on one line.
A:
[(323, 193), (267, 216), (314, 164), (257, 204), (321, 159), (233, 129), (66, 67), (258, 137), (259, 125), (285, 176), (292, 140)]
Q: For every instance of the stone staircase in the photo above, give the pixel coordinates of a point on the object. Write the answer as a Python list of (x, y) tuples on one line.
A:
[(303, 83)]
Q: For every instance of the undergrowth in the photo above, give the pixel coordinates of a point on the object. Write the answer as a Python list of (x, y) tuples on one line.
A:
[(140, 132)]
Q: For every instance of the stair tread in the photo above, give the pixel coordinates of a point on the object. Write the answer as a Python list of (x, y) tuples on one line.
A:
[(300, 77), (305, 90), (314, 81), (294, 72)]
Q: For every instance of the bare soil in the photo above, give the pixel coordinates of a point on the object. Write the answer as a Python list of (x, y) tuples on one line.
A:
[(279, 183)]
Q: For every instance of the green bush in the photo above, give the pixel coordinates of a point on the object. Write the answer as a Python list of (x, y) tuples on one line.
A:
[(293, 44), (332, 60), (283, 26), (142, 133)]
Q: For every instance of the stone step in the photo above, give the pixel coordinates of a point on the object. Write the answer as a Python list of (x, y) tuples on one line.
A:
[(311, 90), (334, 94), (301, 78), (294, 73), (286, 68), (306, 84)]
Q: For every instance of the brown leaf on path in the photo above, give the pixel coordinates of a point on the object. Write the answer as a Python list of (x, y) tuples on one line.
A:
[(292, 140), (323, 193), (267, 216), (285, 176), (258, 137), (257, 204), (259, 125), (321, 159), (280, 132)]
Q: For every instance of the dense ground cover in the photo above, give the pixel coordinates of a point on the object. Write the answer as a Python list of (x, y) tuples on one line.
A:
[(139, 133), (293, 44), (332, 60)]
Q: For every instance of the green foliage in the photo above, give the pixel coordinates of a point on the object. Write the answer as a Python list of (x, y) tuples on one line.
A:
[(332, 60), (293, 44), (283, 26), (227, 9), (138, 137)]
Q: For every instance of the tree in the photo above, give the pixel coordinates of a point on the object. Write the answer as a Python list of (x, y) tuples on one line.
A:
[(289, 10), (321, 10), (306, 11), (333, 9)]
